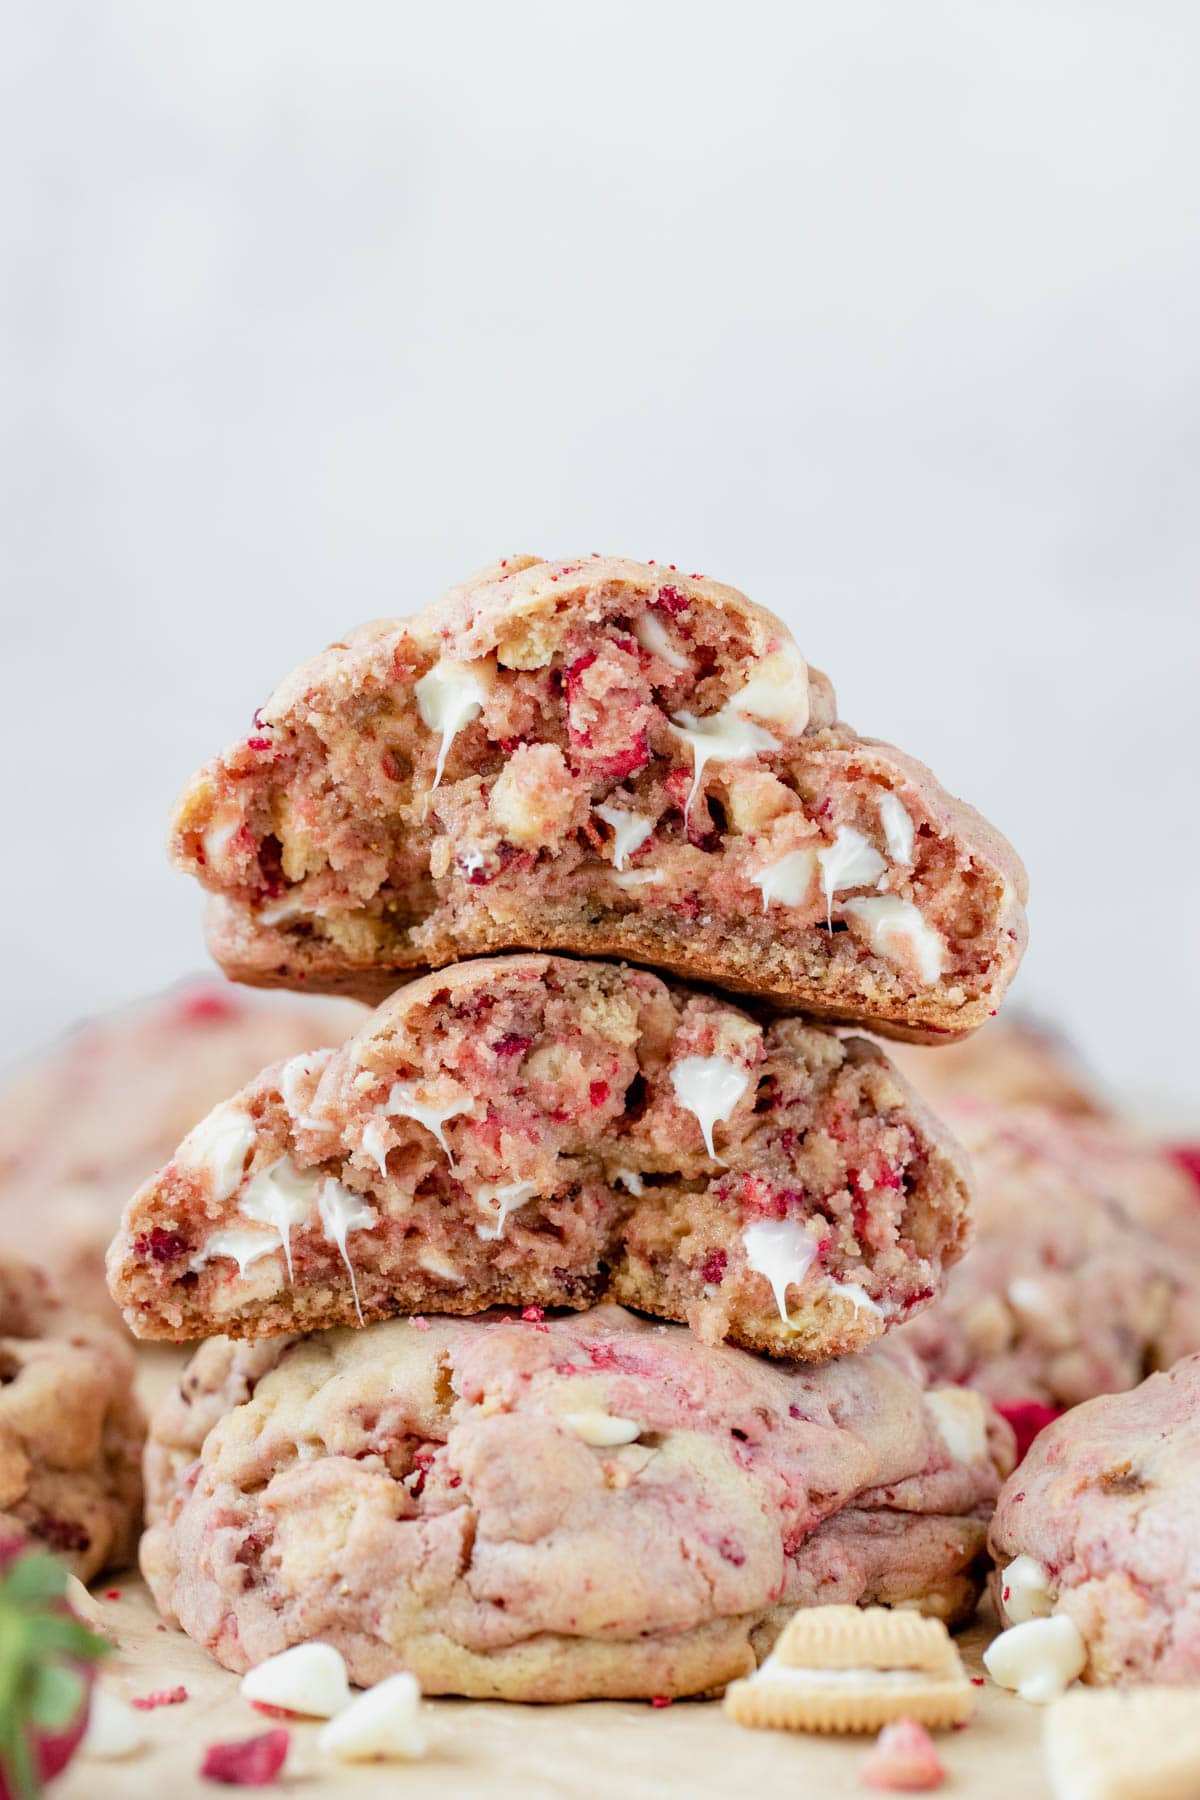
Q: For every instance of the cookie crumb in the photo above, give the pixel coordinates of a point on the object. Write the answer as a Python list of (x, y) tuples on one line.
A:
[(903, 1760)]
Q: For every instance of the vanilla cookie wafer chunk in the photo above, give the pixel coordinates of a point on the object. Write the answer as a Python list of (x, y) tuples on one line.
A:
[(846, 1669)]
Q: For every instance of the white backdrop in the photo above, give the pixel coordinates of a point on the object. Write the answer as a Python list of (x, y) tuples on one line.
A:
[(886, 313)]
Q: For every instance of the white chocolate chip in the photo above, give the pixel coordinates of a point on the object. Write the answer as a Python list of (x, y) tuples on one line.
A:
[(281, 1196), (899, 933), (450, 696), (898, 829), (777, 690), (434, 1263), (218, 1147), (601, 1429), (113, 1728), (962, 1425), (216, 839), (858, 1296), (782, 1251), (245, 1247), (630, 831), (382, 1723), (721, 737), (294, 1078), (497, 1202), (652, 635), (635, 878), (1025, 1591), (789, 880), (309, 1679), (709, 1087), (373, 1143), (630, 1179), (341, 1212), (412, 1100), (850, 861), (1039, 1659)]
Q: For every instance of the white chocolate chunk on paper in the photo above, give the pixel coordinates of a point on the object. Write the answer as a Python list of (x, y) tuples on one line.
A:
[(308, 1678), (113, 1730), (1039, 1659), (380, 1725)]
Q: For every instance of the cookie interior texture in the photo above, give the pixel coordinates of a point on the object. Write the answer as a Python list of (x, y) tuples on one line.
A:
[(535, 1130), (1108, 1503), (71, 1432), (579, 1507), (603, 757), (1084, 1272)]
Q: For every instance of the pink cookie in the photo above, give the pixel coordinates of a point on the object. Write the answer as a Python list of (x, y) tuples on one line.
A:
[(589, 1506), (536, 1130), (607, 758)]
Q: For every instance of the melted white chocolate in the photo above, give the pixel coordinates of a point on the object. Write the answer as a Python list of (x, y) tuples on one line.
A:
[(630, 831), (497, 1202), (899, 933), (1025, 1591), (600, 1429), (850, 861), (294, 1079), (789, 880), (450, 696), (709, 1087), (1039, 1659), (782, 1251), (341, 1212), (898, 829), (244, 1247), (858, 1296), (218, 1147), (281, 1196), (722, 737), (653, 636), (405, 1102)]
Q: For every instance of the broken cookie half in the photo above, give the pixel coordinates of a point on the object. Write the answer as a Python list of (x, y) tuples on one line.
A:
[(536, 1131), (604, 757)]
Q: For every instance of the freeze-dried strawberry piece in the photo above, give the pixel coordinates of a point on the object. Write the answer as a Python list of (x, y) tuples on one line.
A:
[(250, 1762), (904, 1760)]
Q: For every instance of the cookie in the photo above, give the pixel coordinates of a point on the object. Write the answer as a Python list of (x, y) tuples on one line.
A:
[(842, 1669), (1066, 1292), (1104, 1514), (1137, 1744), (585, 1506), (537, 1130), (608, 758), (84, 1123), (70, 1430), (1014, 1060)]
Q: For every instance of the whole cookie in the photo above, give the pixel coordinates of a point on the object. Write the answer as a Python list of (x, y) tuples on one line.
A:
[(536, 1129), (70, 1430), (607, 758), (1014, 1060), (1107, 1506), (86, 1121), (588, 1506), (1084, 1275)]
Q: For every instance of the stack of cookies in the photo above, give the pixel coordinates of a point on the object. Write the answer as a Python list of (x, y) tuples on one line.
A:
[(615, 812)]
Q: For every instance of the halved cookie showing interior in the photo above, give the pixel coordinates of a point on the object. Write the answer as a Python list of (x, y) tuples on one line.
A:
[(603, 757), (531, 1130)]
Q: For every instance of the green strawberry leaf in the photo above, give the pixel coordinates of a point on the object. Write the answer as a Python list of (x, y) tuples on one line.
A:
[(56, 1695)]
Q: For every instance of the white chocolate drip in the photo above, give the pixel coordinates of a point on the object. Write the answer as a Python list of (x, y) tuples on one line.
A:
[(898, 932), (1025, 1591), (959, 1416), (652, 635), (219, 1146), (404, 1102), (342, 1212), (600, 1429), (709, 1087), (1039, 1659), (850, 861), (373, 1142), (781, 1250), (635, 878), (280, 1196), (789, 880), (294, 1077), (449, 697), (722, 737), (630, 831), (497, 1202), (898, 829), (245, 1247)]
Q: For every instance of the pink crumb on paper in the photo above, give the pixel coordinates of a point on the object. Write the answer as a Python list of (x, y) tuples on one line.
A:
[(112, 1593), (160, 1697), (251, 1762), (418, 1323), (660, 1700), (904, 1760)]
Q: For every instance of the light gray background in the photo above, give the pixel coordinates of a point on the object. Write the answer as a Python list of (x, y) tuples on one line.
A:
[(885, 312)]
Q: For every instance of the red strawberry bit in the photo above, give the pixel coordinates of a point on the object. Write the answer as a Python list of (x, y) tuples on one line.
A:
[(671, 600), (160, 1246), (112, 1593), (977, 1681), (712, 1269), (533, 1315), (513, 1043), (1028, 1419), (598, 1093), (206, 1006), (1188, 1158), (258, 743), (660, 1700), (628, 761), (273, 1712), (251, 1762), (904, 1760), (160, 1697)]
